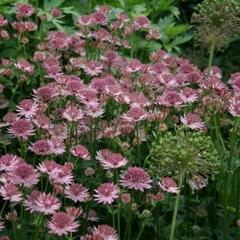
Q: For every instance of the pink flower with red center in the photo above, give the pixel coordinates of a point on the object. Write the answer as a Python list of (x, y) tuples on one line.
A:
[(8, 162), (27, 108), (110, 160), (59, 131), (141, 22), (136, 178), (74, 212), (153, 34), (25, 175), (77, 192), (62, 224), (85, 20), (61, 175), (3, 21), (10, 117), (99, 17), (169, 185), (105, 232), (135, 114), (72, 113), (10, 192), (74, 85), (41, 121), (80, 151), (30, 202), (193, 121), (93, 68), (25, 66), (58, 146), (24, 10), (45, 93), (48, 166), (170, 98), (94, 109), (58, 40), (134, 66), (189, 95), (21, 128), (47, 204), (106, 193), (234, 107), (42, 147), (235, 82)]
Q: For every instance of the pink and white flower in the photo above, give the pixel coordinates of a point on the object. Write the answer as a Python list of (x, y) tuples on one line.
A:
[(169, 185)]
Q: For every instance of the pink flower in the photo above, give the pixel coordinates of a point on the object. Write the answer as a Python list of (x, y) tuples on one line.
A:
[(234, 107), (45, 94), (77, 192), (136, 178), (73, 114), (61, 175), (134, 66), (93, 68), (58, 146), (27, 108), (104, 232), (10, 192), (62, 224), (24, 10), (193, 121), (235, 82), (94, 109), (189, 95), (58, 40), (8, 162), (3, 21), (110, 160), (25, 175), (169, 185), (47, 166), (135, 114), (80, 151), (74, 212), (21, 128), (170, 98), (106, 193), (25, 66), (141, 22), (42, 147), (42, 203)]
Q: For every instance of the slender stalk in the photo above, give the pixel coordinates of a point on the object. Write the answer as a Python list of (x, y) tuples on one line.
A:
[(176, 210), (3, 207), (141, 231), (211, 53)]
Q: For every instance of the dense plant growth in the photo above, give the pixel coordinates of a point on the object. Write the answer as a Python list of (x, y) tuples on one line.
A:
[(106, 135)]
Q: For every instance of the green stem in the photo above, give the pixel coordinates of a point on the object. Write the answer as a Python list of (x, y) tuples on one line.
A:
[(176, 210), (3, 207), (211, 53), (141, 231)]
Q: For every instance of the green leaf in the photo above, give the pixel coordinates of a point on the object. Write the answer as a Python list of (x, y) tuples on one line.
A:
[(50, 4), (182, 39)]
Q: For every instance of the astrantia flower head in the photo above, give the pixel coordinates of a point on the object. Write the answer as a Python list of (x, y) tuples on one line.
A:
[(8, 162), (106, 193), (80, 151), (135, 114), (72, 113), (185, 152), (42, 147), (21, 128), (27, 108), (77, 192), (10, 192), (169, 185), (104, 232), (110, 160), (193, 121), (62, 224), (136, 178), (170, 98), (24, 174)]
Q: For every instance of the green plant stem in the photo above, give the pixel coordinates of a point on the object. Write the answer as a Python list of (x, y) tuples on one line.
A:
[(211, 54), (3, 207), (176, 210), (141, 230)]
